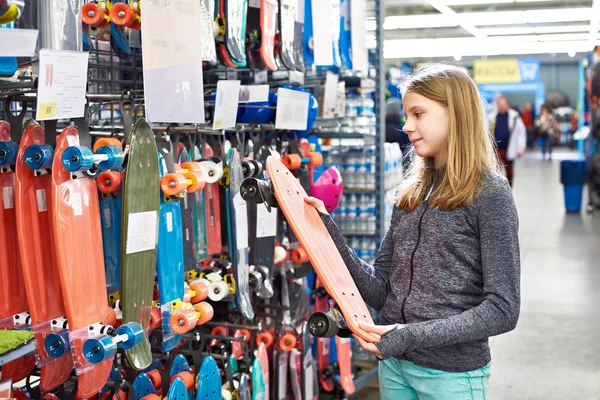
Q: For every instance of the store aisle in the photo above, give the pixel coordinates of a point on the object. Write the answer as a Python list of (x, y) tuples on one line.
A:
[(554, 353)]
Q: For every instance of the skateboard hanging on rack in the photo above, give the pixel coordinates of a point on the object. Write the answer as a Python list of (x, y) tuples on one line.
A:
[(335, 31), (298, 32), (232, 31), (261, 29), (209, 51), (345, 34), (308, 45), (140, 234), (287, 22), (254, 35), (118, 37), (33, 197), (209, 380)]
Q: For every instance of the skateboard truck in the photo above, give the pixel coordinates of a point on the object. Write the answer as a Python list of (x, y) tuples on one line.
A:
[(81, 158), (104, 347), (329, 324), (258, 192)]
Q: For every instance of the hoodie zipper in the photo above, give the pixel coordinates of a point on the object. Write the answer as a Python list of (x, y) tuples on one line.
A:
[(412, 256)]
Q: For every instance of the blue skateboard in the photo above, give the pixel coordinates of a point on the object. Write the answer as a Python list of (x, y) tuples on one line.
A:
[(345, 34), (209, 381)]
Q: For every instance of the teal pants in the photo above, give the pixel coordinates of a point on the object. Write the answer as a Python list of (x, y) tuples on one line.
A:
[(403, 380)]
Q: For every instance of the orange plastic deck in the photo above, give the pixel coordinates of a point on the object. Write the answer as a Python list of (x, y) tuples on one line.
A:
[(322, 252), (38, 260), (78, 239)]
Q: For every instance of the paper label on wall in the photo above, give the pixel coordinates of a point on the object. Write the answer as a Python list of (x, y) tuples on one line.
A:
[(254, 93), (172, 62), (322, 34), (40, 196), (62, 84), (141, 232), (292, 109), (226, 104), (331, 95), (18, 42), (106, 215), (241, 221), (360, 59), (76, 204), (169, 218), (266, 222), (8, 198)]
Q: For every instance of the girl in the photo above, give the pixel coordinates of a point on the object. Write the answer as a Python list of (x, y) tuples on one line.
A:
[(549, 129), (447, 274)]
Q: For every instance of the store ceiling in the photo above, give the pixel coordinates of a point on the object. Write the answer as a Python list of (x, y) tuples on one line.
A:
[(467, 29)]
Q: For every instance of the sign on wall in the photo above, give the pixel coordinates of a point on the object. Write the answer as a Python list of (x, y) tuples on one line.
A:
[(508, 70)]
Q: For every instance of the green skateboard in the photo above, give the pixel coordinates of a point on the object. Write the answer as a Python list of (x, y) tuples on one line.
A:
[(140, 226)]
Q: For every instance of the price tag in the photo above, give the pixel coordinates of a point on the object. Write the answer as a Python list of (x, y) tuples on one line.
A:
[(292, 109), (226, 104)]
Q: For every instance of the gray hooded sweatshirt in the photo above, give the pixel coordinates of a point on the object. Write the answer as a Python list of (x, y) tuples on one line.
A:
[(450, 279)]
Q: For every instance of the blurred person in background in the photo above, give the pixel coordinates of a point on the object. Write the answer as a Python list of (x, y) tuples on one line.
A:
[(528, 121), (549, 130)]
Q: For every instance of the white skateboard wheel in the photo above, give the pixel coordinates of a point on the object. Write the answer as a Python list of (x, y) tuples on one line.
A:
[(280, 254), (217, 291)]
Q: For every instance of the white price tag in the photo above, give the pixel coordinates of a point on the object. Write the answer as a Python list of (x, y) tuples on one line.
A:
[(254, 93), (142, 232), (62, 84), (292, 109), (226, 104), (76, 204), (18, 42), (331, 95), (360, 59), (8, 198), (322, 34), (241, 221), (169, 218), (40, 196), (266, 222)]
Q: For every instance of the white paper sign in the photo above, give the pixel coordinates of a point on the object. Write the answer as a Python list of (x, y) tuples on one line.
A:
[(322, 34), (266, 222), (254, 93), (226, 104), (8, 198), (360, 59), (18, 42), (173, 80), (62, 84), (292, 109), (241, 221), (40, 196), (331, 95), (141, 233)]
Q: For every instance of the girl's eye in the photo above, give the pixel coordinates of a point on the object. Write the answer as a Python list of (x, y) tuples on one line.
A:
[(418, 114)]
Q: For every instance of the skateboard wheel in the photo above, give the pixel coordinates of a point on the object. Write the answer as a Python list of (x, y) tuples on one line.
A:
[(195, 181), (122, 14), (107, 142), (192, 166), (50, 396), (287, 342), (173, 184), (155, 378), (299, 256), (316, 159), (77, 158), (246, 334), (212, 173), (254, 280), (39, 156), (265, 338), (186, 377), (155, 318), (115, 157), (92, 14), (200, 290), (292, 161), (56, 344), (8, 153), (134, 332), (226, 394), (206, 312), (99, 349), (182, 321), (217, 291), (280, 255), (109, 181), (327, 372), (321, 325), (248, 169), (218, 331)]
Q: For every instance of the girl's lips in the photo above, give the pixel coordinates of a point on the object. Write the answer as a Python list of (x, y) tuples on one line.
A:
[(415, 141)]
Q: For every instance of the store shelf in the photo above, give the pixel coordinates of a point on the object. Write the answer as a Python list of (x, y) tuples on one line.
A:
[(340, 135)]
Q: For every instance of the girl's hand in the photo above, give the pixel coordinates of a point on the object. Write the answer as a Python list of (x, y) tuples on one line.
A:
[(316, 203), (378, 330)]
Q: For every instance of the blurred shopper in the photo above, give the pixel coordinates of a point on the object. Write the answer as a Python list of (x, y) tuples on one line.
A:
[(511, 136), (549, 130), (528, 121)]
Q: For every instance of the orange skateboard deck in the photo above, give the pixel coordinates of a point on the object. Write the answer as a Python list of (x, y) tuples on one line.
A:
[(33, 191), (322, 252), (78, 241), (12, 290)]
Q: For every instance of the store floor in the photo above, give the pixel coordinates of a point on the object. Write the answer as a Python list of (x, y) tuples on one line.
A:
[(554, 353)]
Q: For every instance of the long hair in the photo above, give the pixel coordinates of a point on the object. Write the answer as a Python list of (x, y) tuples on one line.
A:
[(470, 149)]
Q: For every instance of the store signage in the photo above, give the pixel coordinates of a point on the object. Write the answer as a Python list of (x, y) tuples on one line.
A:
[(508, 70)]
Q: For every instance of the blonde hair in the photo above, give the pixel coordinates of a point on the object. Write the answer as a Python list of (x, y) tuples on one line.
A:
[(470, 146)]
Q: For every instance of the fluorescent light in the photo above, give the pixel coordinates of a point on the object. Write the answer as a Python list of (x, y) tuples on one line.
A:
[(487, 18), (595, 22), (527, 30), (450, 13)]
